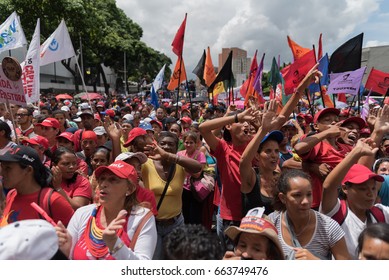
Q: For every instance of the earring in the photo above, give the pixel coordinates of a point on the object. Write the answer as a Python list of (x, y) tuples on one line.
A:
[(127, 194)]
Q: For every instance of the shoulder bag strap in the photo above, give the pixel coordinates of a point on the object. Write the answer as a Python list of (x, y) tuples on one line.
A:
[(169, 178), (139, 228)]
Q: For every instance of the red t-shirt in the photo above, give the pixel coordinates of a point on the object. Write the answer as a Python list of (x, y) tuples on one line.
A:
[(82, 166), (228, 158), (81, 187), (20, 207), (323, 152)]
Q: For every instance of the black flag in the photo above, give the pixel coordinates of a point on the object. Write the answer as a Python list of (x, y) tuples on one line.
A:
[(225, 73), (199, 70), (347, 57)]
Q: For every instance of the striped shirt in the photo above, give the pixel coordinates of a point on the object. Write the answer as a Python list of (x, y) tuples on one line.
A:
[(327, 233)]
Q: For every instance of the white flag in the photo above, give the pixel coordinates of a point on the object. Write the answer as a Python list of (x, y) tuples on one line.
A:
[(58, 46), (159, 79), (31, 68), (11, 34)]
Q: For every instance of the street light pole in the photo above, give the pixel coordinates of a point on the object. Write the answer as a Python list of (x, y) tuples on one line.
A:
[(81, 57), (125, 75)]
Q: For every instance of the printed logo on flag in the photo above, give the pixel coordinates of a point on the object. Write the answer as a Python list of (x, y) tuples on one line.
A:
[(385, 83), (54, 45), (297, 77), (6, 36)]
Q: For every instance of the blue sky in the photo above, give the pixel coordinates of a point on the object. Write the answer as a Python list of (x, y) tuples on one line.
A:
[(257, 24)]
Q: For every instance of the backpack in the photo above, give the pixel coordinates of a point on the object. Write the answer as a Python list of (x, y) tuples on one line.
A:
[(340, 216)]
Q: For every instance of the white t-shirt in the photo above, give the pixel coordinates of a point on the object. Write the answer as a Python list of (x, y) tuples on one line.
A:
[(353, 226), (147, 239)]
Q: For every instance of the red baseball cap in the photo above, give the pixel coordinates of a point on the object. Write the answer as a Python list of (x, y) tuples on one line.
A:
[(359, 174), (325, 111), (121, 169), (37, 140), (49, 122), (186, 120), (100, 104), (359, 121), (110, 113), (67, 135), (89, 134), (157, 122), (135, 132), (365, 130)]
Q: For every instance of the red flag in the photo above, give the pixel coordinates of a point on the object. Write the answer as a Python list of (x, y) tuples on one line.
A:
[(297, 50), (247, 88), (176, 75), (320, 50), (294, 74), (378, 81), (342, 97), (178, 42)]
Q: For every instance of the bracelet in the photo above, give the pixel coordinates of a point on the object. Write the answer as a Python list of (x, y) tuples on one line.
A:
[(236, 118), (117, 248)]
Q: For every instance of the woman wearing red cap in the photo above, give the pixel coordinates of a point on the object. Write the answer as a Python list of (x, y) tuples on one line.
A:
[(359, 193), (116, 228)]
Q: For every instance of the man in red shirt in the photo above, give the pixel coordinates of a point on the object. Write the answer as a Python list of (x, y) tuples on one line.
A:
[(322, 147)]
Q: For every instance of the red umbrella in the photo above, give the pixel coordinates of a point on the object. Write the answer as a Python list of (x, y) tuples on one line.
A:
[(63, 96), (92, 96)]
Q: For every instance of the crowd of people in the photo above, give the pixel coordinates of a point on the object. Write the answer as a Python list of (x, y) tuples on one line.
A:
[(122, 179)]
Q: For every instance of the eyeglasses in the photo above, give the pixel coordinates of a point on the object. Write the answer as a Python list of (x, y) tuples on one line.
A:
[(22, 115)]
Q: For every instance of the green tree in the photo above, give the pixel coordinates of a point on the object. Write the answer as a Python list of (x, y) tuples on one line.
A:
[(105, 31)]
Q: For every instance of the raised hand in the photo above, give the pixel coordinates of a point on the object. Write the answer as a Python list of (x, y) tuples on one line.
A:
[(366, 147), (382, 120), (313, 76), (113, 129), (110, 232)]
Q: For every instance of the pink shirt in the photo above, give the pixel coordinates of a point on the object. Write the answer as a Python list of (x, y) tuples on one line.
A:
[(197, 155)]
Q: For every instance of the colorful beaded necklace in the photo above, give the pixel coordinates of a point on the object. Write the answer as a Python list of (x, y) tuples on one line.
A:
[(94, 237)]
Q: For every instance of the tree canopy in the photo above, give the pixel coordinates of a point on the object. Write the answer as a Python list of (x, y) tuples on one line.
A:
[(105, 31)]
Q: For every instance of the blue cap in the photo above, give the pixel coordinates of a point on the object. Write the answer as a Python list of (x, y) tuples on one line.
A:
[(146, 126), (275, 135)]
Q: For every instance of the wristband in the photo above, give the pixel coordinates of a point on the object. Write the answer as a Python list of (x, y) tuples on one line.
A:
[(117, 248), (236, 118)]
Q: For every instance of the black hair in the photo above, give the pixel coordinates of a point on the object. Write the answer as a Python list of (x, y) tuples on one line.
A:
[(4, 126), (376, 230), (284, 185), (164, 134), (192, 242), (63, 113), (57, 157), (378, 162)]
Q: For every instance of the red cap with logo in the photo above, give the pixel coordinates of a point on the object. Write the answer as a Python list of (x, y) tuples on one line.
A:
[(325, 111), (49, 122), (121, 169), (37, 140)]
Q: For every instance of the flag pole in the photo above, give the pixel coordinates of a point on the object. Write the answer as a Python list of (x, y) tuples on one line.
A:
[(178, 91), (321, 92), (83, 84), (190, 99), (12, 120)]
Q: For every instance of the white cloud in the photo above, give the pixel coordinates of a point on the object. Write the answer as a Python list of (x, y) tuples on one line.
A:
[(251, 25)]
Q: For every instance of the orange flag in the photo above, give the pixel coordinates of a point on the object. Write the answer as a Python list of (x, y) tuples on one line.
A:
[(247, 90), (297, 50), (176, 74), (209, 70)]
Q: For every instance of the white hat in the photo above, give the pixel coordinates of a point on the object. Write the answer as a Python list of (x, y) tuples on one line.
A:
[(99, 130), (128, 117), (28, 240), (127, 155), (65, 108)]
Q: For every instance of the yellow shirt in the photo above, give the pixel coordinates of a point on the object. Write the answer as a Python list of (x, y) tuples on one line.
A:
[(172, 202)]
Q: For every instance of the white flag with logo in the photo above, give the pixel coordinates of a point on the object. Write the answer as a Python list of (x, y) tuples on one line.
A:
[(11, 34), (31, 68), (58, 46), (159, 79)]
